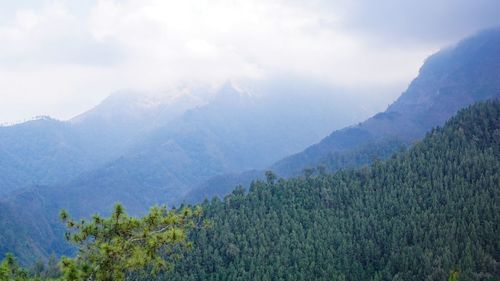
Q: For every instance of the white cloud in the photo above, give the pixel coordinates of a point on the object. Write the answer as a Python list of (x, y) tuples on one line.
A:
[(62, 57)]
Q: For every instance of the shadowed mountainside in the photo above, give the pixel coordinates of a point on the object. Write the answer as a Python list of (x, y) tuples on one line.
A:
[(448, 81)]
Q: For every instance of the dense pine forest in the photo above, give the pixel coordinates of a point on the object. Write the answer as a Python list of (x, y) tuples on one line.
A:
[(429, 213)]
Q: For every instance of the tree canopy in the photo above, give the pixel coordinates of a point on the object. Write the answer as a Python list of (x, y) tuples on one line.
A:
[(118, 247), (429, 213)]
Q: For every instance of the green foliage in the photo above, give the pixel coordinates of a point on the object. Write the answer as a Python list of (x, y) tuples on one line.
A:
[(417, 216), (120, 246), (270, 176), (11, 271), (454, 276), (363, 155)]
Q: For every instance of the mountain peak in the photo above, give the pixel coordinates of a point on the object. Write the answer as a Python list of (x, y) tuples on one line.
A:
[(455, 77), (229, 94)]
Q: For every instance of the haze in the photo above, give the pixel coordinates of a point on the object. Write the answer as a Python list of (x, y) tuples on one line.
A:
[(60, 58)]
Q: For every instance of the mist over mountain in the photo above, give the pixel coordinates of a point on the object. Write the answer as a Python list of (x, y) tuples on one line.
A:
[(46, 151), (236, 130), (448, 81), (124, 117), (153, 148), (142, 149)]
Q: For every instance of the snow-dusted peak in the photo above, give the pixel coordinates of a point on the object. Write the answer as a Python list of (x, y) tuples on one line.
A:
[(149, 107)]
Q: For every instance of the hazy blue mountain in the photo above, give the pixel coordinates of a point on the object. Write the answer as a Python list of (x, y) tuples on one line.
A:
[(163, 151), (29, 230), (235, 131), (47, 151), (42, 151), (448, 81), (125, 117)]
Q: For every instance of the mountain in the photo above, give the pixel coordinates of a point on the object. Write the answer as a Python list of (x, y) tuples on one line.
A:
[(158, 158), (29, 232), (448, 81), (162, 157), (41, 151), (48, 152), (234, 131), (421, 215), (126, 116)]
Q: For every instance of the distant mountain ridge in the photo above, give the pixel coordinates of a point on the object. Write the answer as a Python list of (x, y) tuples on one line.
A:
[(447, 82), (46, 151), (233, 132)]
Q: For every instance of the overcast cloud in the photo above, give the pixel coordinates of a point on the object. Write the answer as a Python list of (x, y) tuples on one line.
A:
[(62, 57)]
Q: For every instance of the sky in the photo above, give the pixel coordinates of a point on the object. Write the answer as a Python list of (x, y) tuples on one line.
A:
[(60, 58)]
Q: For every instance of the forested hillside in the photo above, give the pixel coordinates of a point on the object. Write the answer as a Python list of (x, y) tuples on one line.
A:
[(424, 214)]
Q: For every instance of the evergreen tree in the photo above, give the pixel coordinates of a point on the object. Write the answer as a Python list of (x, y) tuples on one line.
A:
[(121, 246)]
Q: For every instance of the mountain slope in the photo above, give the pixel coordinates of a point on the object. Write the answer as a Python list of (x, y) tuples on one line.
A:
[(47, 152), (234, 131), (28, 231), (420, 215), (447, 82), (42, 151), (125, 117)]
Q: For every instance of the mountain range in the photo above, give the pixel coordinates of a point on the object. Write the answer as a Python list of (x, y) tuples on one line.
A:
[(46, 151), (448, 81), (144, 149), (189, 146)]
